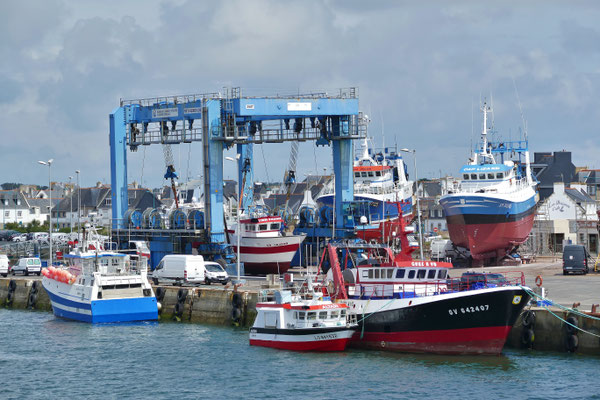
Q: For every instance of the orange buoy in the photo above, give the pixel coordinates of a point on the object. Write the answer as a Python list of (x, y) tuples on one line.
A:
[(538, 280)]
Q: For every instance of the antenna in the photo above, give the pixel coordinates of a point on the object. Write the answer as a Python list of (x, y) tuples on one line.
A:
[(493, 127), (520, 108)]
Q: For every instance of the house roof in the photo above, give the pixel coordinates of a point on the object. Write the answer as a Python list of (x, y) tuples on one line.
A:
[(579, 196)]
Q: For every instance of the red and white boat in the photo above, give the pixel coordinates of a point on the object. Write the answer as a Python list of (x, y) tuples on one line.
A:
[(302, 322), (264, 248)]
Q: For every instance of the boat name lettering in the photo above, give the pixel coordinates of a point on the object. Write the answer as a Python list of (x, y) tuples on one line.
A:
[(165, 112), (326, 337), (325, 306), (504, 205), (423, 264), (465, 310), (299, 106)]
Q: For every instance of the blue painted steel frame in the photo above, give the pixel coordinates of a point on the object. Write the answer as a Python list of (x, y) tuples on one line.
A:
[(245, 152), (212, 130), (343, 156), (118, 165)]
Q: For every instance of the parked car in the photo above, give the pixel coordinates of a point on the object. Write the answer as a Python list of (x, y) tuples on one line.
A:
[(19, 237), (28, 265), (182, 268), (575, 259), (4, 265), (7, 234)]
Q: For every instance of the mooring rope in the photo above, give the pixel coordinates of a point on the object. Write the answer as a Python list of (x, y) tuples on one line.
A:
[(570, 310)]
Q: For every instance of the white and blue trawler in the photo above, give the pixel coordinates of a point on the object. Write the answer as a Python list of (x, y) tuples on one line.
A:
[(100, 287)]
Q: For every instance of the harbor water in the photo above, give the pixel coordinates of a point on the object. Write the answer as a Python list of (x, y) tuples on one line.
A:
[(45, 357)]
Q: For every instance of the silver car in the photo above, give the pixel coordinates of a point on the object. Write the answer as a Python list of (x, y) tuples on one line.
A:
[(26, 266)]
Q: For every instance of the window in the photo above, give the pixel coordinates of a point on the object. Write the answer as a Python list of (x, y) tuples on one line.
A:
[(342, 313), (275, 226), (6, 213), (335, 314), (473, 176), (377, 273), (357, 174), (466, 177), (159, 266), (421, 274), (262, 227), (411, 274), (19, 213), (108, 201), (370, 274), (312, 316), (365, 274), (390, 273), (431, 274), (363, 174), (490, 176), (400, 273), (499, 175), (442, 274), (302, 315), (322, 314), (481, 176), (377, 173), (371, 174)]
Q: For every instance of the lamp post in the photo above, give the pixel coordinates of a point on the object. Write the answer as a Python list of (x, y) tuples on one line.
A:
[(78, 205), (238, 229), (414, 153), (71, 204), (49, 164)]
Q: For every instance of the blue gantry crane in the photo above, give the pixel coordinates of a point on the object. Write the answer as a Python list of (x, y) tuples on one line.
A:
[(220, 122)]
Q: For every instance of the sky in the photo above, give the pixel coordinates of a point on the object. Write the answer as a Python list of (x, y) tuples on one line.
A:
[(422, 70)]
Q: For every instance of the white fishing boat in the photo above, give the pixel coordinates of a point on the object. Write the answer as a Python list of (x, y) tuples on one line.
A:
[(305, 321), (100, 286), (264, 247)]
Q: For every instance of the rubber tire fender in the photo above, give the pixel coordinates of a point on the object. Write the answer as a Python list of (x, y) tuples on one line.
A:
[(528, 318), (236, 314), (178, 309), (160, 293), (35, 287), (571, 330), (31, 300), (181, 295), (572, 343), (10, 297), (236, 300), (527, 337), (12, 285)]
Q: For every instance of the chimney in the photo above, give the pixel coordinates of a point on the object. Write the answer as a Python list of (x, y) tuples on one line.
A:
[(559, 187)]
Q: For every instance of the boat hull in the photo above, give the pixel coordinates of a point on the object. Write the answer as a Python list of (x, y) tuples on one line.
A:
[(267, 255), (67, 304), (470, 322), (489, 227), (376, 205), (314, 339)]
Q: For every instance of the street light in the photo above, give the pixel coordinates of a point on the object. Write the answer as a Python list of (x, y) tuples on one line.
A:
[(71, 204), (78, 205), (238, 230), (414, 152), (49, 164)]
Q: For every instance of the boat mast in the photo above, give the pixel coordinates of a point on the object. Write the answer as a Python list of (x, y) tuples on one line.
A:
[(484, 152)]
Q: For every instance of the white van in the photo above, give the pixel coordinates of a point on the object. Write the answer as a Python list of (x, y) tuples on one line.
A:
[(3, 264), (183, 268), (26, 266)]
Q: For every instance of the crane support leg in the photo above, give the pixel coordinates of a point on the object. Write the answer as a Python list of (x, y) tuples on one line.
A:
[(118, 161), (246, 170), (342, 168), (213, 170)]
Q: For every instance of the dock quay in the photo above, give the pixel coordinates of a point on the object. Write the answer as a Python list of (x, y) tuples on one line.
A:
[(546, 330)]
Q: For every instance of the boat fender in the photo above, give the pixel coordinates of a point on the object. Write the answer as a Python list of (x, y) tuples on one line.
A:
[(527, 337), (178, 309), (236, 314), (571, 329), (236, 300), (160, 293), (529, 319), (181, 295), (35, 287), (9, 298), (538, 280), (31, 300), (572, 343), (12, 285)]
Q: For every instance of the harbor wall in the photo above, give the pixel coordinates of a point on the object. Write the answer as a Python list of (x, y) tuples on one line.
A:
[(237, 307)]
